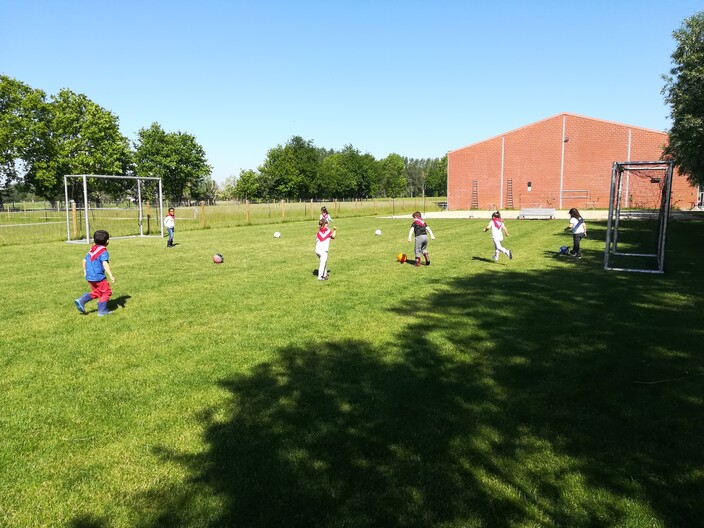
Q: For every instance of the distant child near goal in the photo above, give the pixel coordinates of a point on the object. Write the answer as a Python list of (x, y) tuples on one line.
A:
[(421, 230), (95, 267), (322, 246), (170, 225), (498, 228)]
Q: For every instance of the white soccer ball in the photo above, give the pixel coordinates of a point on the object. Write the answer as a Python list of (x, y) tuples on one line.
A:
[(277, 234), (377, 232)]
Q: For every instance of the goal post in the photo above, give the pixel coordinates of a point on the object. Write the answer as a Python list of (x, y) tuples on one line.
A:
[(639, 211), (118, 204)]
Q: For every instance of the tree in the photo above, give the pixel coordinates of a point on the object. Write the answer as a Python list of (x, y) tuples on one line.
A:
[(175, 157), (416, 170), (392, 176), (436, 178), (84, 138), (290, 170), (247, 185), (24, 131), (206, 190), (334, 180), (684, 92)]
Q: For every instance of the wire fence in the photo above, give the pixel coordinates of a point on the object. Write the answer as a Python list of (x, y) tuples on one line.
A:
[(30, 225)]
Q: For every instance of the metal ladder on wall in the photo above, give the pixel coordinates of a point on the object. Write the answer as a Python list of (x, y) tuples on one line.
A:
[(475, 195), (509, 194)]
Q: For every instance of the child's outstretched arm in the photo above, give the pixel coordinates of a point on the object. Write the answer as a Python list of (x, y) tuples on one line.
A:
[(432, 236), (410, 233), (84, 267)]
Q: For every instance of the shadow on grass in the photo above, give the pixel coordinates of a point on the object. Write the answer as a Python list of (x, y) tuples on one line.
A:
[(566, 397), (118, 302)]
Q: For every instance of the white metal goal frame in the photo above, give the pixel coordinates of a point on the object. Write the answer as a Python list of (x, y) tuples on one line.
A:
[(86, 208), (619, 196)]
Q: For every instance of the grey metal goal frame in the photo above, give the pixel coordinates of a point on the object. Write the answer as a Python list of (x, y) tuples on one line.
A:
[(615, 200), (138, 179)]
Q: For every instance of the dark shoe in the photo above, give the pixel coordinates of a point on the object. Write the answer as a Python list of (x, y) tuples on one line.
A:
[(510, 255), (427, 263), (417, 264)]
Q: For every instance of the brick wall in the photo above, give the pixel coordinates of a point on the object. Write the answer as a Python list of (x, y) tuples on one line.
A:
[(567, 152)]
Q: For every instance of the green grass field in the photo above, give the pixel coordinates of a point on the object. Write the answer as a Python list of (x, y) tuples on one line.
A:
[(541, 391)]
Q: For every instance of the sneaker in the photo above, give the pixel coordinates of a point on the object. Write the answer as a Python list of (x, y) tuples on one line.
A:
[(427, 263), (80, 307), (323, 278), (102, 314), (496, 257), (510, 255)]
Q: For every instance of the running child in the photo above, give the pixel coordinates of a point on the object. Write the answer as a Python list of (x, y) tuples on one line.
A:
[(498, 228), (95, 267)]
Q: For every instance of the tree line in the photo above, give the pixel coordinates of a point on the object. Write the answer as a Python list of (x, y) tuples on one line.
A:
[(43, 138), (299, 170)]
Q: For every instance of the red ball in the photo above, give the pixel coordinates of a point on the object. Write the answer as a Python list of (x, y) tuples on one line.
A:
[(218, 258)]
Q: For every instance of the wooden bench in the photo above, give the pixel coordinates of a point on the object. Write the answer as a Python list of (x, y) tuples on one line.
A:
[(442, 205), (536, 212)]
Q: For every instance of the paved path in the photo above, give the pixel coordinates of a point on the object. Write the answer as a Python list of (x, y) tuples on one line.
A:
[(560, 214)]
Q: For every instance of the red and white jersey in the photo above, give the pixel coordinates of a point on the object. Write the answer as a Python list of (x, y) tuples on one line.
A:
[(496, 224), (323, 238)]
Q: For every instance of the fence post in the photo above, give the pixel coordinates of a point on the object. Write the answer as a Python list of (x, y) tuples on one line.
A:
[(283, 212), (247, 212), (202, 213), (149, 215)]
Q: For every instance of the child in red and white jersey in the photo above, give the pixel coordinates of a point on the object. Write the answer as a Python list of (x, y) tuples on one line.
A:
[(498, 228), (322, 246)]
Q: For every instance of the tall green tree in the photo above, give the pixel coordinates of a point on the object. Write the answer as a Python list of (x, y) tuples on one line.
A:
[(24, 131), (247, 185), (436, 178), (291, 170), (84, 138), (334, 180), (393, 176), (684, 92), (175, 157), (347, 174)]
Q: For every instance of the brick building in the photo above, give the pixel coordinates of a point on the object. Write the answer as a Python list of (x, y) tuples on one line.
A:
[(563, 161)]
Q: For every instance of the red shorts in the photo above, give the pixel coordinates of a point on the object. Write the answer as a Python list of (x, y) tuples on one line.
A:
[(100, 290)]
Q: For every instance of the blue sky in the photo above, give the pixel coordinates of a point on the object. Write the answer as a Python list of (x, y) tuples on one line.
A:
[(409, 77)]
